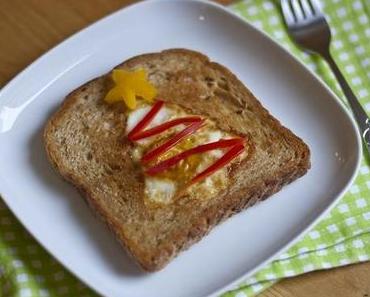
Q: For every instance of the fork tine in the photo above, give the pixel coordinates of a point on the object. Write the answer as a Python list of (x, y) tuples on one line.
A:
[(287, 12), (306, 8), (316, 7), (297, 10)]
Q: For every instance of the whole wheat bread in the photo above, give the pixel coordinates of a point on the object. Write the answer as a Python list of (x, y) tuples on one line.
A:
[(85, 142)]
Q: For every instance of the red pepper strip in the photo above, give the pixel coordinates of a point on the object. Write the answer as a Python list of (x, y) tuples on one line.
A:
[(226, 158), (171, 142), (164, 165), (147, 119), (165, 126)]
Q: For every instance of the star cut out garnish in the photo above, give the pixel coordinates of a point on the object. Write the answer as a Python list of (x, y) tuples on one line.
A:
[(128, 86)]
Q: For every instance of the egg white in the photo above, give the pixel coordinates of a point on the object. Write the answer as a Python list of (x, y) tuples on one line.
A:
[(163, 190)]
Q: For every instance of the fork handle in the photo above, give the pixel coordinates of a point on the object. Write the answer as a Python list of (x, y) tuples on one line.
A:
[(361, 117)]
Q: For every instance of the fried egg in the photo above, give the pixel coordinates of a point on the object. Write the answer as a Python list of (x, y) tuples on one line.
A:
[(164, 187)]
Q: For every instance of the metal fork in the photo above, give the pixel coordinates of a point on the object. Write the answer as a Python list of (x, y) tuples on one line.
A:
[(309, 29)]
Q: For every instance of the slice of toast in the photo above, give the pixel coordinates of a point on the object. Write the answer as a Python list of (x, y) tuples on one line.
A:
[(85, 141)]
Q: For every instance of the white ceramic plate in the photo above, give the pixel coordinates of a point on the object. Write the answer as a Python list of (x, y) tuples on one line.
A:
[(58, 218)]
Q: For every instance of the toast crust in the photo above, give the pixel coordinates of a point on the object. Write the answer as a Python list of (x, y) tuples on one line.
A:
[(237, 199)]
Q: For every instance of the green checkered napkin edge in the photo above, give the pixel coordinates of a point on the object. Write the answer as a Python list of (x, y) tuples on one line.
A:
[(341, 238)]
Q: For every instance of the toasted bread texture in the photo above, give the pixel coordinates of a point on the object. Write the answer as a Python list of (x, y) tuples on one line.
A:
[(85, 141)]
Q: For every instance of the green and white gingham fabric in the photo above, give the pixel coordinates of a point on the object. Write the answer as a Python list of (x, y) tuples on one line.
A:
[(341, 238)]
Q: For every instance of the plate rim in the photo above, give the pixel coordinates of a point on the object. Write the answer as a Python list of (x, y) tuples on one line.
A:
[(4, 192)]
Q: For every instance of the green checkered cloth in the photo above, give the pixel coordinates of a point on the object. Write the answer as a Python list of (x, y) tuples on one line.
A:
[(341, 238)]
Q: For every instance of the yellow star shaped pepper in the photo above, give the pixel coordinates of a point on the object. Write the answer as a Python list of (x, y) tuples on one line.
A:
[(129, 85)]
